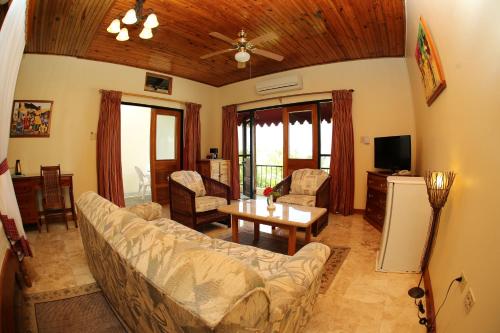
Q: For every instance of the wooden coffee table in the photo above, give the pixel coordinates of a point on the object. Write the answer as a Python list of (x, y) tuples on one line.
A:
[(284, 216)]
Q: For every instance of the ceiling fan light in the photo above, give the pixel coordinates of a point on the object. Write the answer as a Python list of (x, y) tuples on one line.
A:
[(114, 26), (146, 33), (151, 21), (242, 56), (123, 35), (130, 17)]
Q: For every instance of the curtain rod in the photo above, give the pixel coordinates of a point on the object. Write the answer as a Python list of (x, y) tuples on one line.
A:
[(151, 97), (285, 96)]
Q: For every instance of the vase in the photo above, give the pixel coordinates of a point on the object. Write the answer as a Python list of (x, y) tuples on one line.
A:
[(270, 203)]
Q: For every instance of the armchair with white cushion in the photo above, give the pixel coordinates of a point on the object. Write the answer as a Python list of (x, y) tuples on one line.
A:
[(194, 199), (306, 187)]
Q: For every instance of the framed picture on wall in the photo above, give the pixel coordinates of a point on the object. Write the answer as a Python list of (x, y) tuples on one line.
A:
[(158, 83), (30, 118), (429, 64)]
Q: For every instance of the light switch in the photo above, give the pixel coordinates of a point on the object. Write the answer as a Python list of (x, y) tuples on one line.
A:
[(93, 136), (365, 140)]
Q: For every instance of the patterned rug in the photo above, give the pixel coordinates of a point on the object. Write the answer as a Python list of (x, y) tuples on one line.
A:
[(77, 309), (280, 245)]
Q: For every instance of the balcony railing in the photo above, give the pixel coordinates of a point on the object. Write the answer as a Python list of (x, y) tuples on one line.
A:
[(268, 175), (265, 175)]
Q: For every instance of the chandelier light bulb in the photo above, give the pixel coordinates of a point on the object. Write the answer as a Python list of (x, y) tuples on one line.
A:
[(114, 26), (123, 35), (146, 33), (151, 21), (130, 17), (242, 56)]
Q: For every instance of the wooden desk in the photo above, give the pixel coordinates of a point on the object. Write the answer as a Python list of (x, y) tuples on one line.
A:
[(27, 188)]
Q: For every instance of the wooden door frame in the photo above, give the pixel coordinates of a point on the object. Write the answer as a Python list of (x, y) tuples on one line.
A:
[(315, 134), (152, 153)]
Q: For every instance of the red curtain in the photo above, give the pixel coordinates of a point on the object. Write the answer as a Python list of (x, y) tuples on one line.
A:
[(192, 136), (342, 158), (230, 146), (109, 162)]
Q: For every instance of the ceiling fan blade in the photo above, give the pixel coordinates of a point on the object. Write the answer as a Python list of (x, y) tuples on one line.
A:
[(222, 37), (241, 65), (264, 38), (268, 54), (208, 55)]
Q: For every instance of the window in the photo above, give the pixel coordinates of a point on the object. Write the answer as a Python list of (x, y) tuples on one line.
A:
[(325, 130)]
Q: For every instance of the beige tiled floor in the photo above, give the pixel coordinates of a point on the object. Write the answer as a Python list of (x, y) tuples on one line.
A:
[(359, 300)]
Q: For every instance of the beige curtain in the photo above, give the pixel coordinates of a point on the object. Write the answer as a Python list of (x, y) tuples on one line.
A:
[(192, 133), (230, 146), (342, 158), (12, 42), (109, 162)]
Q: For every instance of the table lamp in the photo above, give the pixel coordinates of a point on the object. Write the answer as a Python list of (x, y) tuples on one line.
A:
[(438, 187)]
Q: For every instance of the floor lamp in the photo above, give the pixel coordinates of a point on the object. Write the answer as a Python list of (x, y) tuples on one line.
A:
[(438, 187)]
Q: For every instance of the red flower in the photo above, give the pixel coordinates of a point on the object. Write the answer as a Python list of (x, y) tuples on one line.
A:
[(268, 191)]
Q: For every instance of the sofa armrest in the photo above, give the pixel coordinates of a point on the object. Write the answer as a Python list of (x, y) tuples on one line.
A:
[(181, 199), (283, 187), (296, 276), (215, 188), (323, 194)]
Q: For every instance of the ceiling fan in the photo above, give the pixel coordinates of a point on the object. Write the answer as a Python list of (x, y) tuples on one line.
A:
[(244, 47)]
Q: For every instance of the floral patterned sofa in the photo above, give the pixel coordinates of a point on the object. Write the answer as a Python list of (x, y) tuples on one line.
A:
[(161, 276)]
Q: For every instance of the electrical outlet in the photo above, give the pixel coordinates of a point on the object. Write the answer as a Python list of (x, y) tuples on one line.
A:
[(469, 301), (463, 283)]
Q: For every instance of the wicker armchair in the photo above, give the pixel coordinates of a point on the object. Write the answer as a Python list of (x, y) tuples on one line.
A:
[(194, 199), (321, 198)]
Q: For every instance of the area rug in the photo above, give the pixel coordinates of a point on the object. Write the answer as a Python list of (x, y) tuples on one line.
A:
[(78, 309), (280, 245)]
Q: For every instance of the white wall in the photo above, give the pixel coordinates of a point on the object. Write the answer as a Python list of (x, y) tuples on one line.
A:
[(135, 133), (381, 103), (460, 132), (73, 84)]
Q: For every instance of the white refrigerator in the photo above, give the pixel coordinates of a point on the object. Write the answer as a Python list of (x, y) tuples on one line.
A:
[(406, 225)]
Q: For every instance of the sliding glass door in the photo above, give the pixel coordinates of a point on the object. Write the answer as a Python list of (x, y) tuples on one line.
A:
[(275, 141)]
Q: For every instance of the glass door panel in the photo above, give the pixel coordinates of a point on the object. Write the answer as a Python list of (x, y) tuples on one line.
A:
[(165, 137), (325, 130), (300, 135)]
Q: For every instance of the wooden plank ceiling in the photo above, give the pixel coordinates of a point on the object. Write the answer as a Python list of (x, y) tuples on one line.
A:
[(309, 33)]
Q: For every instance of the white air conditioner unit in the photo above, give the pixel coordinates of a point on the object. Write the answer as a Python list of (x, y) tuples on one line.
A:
[(285, 83)]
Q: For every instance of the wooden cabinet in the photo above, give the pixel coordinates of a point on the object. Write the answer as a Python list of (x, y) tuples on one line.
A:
[(219, 170), (26, 195), (376, 196)]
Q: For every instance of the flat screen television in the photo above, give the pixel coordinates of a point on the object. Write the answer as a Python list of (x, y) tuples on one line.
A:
[(393, 152)]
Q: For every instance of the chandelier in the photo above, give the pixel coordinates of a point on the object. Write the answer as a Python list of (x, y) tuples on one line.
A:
[(134, 16)]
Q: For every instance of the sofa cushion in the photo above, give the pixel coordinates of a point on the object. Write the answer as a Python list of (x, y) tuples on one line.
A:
[(307, 181), (190, 179), (298, 199), (149, 211), (206, 203)]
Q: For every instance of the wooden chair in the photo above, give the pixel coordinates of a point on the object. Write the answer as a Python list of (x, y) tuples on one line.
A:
[(52, 195), (192, 209), (321, 199)]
